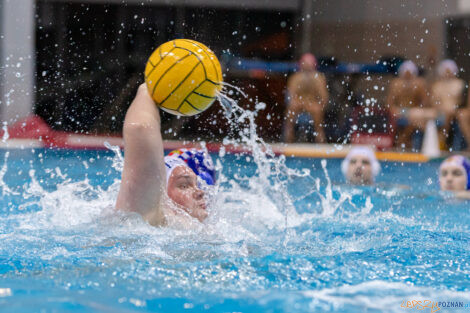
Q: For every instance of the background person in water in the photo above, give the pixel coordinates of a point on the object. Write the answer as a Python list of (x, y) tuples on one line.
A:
[(148, 186), (360, 167), (454, 175)]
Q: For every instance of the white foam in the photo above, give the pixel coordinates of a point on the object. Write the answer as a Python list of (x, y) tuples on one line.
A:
[(381, 295)]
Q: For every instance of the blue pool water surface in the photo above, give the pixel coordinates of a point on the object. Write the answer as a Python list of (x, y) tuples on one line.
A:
[(282, 236)]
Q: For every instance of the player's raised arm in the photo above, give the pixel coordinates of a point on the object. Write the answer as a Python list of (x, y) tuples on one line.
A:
[(143, 182)]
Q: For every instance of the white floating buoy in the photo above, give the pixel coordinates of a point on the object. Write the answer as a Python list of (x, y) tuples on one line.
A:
[(430, 147)]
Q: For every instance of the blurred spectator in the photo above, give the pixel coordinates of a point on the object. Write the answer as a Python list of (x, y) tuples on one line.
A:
[(464, 122), (308, 97), (408, 103), (447, 96)]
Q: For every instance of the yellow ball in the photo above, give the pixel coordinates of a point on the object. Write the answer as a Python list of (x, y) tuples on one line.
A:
[(183, 77)]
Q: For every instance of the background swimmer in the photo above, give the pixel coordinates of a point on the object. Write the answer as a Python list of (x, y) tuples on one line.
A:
[(454, 175), (360, 167)]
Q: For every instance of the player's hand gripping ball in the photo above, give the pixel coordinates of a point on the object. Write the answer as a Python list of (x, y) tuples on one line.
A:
[(183, 77)]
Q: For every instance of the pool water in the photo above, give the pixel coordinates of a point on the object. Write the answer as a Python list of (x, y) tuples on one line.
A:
[(284, 235)]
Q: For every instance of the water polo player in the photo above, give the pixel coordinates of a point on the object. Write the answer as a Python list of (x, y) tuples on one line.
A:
[(187, 172), (454, 174), (360, 167), (155, 186)]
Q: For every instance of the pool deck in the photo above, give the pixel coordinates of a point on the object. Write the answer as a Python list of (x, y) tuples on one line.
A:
[(303, 150), (33, 132)]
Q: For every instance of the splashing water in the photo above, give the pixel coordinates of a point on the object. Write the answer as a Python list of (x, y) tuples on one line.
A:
[(5, 132), (282, 233)]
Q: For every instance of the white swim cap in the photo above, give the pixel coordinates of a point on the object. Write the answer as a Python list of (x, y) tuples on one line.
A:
[(408, 66), (447, 64), (362, 151)]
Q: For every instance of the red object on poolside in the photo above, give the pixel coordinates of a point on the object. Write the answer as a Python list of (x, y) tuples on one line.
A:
[(37, 131), (31, 127), (34, 131), (380, 141)]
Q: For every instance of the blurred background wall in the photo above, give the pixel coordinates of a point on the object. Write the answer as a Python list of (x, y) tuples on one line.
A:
[(17, 58), (80, 61)]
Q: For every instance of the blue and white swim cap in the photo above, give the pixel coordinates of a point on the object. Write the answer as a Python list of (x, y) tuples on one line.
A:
[(461, 162), (197, 160)]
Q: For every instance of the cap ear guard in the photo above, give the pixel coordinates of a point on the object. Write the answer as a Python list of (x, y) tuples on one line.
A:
[(207, 178), (466, 166)]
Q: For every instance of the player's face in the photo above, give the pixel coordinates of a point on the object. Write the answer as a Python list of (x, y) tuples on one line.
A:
[(448, 73), (359, 171), (452, 177), (308, 63), (183, 190)]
